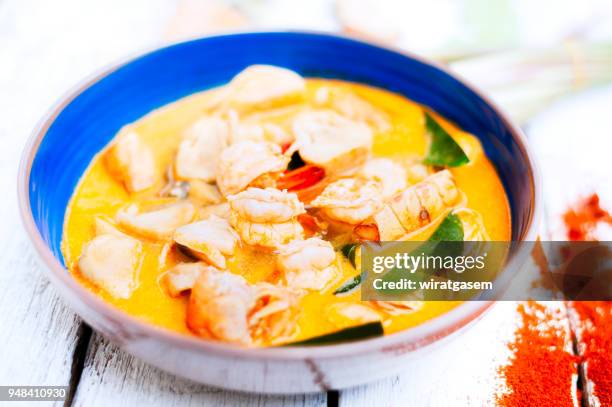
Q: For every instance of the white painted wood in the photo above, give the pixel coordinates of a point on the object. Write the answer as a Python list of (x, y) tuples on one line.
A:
[(112, 377)]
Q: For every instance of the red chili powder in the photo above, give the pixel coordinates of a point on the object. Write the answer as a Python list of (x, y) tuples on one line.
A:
[(582, 219), (541, 370), (595, 346)]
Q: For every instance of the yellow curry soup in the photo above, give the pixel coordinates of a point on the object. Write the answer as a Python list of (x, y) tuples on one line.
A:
[(222, 215)]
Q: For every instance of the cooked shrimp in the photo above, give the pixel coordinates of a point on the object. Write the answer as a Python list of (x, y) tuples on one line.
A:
[(389, 174), (219, 305), (182, 277), (350, 200), (398, 307), (265, 86), (249, 163), (346, 314), (199, 152), (274, 317), (266, 217), (112, 262), (159, 223), (331, 141), (417, 206), (268, 235), (210, 240), (266, 205), (307, 264), (131, 162), (224, 306)]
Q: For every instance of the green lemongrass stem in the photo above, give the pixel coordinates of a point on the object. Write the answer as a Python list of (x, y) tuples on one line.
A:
[(525, 81)]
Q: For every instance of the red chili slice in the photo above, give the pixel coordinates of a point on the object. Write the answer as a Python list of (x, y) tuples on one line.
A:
[(367, 232), (301, 178)]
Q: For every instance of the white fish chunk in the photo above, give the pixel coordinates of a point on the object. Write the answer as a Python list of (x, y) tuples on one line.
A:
[(210, 240), (329, 140), (265, 86), (158, 224), (182, 277), (112, 262), (131, 162), (198, 153)]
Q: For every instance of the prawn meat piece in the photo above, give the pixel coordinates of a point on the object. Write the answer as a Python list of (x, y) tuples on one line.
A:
[(266, 217), (268, 235), (210, 240), (388, 173), (266, 205), (329, 140), (182, 277), (158, 224), (417, 206), (198, 153), (219, 305), (274, 318), (350, 200), (249, 163), (398, 307), (347, 314), (225, 307), (265, 86), (112, 262), (131, 162), (308, 264)]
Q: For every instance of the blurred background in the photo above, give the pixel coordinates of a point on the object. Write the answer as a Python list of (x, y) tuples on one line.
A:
[(524, 54)]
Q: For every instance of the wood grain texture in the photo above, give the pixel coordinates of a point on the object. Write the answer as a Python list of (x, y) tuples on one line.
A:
[(112, 377)]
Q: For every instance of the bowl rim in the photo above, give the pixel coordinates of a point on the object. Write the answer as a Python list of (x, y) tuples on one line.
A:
[(417, 336)]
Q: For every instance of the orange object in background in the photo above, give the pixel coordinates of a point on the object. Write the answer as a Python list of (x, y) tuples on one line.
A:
[(582, 220), (541, 368)]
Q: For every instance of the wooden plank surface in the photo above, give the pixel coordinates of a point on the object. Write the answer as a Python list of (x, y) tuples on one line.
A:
[(112, 377)]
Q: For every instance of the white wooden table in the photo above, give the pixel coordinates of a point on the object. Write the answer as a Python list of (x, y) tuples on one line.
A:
[(45, 48)]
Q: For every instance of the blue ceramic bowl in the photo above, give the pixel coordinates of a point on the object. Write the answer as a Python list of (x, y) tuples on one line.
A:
[(84, 122)]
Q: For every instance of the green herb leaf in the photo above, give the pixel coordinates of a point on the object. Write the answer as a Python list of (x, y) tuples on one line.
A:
[(444, 150), (349, 285), (296, 162), (354, 333), (450, 230), (349, 250)]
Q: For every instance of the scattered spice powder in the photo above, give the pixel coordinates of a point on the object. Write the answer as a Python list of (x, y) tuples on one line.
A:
[(542, 369), (595, 346), (582, 219)]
